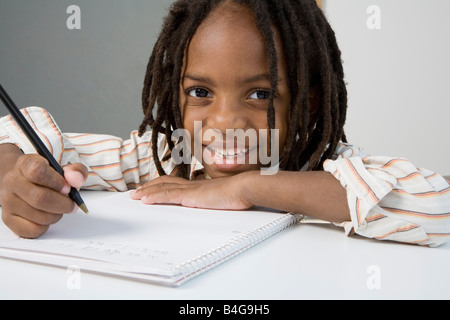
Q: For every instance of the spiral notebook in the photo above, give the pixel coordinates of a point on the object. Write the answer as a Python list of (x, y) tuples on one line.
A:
[(162, 244)]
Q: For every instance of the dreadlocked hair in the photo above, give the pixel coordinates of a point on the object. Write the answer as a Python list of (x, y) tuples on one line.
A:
[(314, 65)]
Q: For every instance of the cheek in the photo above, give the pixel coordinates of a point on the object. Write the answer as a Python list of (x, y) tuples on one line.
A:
[(189, 127), (192, 123), (187, 118), (182, 105)]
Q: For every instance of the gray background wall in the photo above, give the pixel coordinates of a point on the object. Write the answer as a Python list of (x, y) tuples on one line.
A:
[(91, 79)]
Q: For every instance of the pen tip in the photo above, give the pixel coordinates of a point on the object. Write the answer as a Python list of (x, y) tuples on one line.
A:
[(84, 208)]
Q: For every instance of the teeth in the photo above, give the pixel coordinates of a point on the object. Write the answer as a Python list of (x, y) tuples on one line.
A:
[(229, 153)]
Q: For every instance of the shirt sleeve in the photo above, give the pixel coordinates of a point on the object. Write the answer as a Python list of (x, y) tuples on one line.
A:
[(390, 199), (113, 164)]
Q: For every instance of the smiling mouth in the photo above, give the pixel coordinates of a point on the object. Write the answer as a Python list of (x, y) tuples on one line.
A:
[(230, 158), (230, 153)]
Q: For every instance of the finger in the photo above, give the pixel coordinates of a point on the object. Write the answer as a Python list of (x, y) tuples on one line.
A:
[(24, 228), (37, 170), (42, 198), (166, 179), (75, 174), (162, 193), (27, 212), (153, 188), (161, 181)]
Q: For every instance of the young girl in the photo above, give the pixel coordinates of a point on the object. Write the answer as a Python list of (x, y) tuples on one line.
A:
[(221, 65)]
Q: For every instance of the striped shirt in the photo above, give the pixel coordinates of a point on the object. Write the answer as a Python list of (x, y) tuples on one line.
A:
[(389, 198)]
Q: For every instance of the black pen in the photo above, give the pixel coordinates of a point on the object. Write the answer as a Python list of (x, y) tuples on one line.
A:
[(38, 144)]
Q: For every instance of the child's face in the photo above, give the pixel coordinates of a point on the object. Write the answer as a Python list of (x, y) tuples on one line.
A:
[(225, 84)]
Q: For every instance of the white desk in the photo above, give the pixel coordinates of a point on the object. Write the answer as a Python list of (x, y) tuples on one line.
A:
[(303, 262)]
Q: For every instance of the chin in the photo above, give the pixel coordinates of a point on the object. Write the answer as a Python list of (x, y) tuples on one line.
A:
[(222, 173)]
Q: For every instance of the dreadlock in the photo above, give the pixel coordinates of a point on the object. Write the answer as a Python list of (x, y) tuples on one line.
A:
[(314, 65)]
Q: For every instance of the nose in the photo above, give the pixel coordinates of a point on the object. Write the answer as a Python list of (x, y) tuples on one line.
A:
[(227, 113)]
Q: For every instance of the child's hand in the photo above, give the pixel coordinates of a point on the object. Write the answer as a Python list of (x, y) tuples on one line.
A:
[(35, 196), (219, 193)]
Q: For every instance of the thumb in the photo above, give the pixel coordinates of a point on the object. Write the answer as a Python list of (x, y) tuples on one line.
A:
[(75, 174)]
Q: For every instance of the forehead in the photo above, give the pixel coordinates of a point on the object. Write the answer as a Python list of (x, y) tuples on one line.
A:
[(228, 34), (226, 18)]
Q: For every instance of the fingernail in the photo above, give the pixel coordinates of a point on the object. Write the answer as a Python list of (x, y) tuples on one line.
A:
[(65, 190)]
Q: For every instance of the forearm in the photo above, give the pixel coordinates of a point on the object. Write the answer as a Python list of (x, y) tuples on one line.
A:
[(315, 194), (9, 154)]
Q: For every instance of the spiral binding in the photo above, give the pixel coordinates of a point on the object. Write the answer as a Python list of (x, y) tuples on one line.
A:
[(219, 255)]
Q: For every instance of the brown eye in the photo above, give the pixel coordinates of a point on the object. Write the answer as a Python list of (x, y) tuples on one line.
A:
[(199, 93), (260, 95)]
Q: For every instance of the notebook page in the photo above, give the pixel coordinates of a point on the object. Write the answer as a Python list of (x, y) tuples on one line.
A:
[(127, 236)]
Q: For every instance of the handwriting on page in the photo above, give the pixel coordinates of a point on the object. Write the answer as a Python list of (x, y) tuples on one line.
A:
[(101, 248), (123, 249)]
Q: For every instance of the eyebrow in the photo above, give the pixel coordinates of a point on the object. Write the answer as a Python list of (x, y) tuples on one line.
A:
[(251, 79), (197, 78)]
